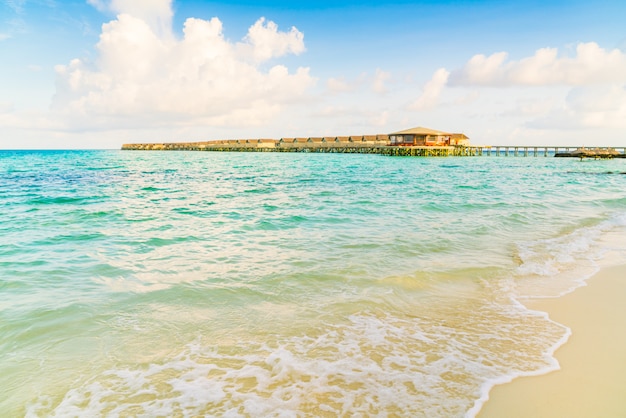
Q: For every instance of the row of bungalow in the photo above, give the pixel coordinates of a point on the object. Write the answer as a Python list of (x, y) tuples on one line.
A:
[(411, 137), (283, 143)]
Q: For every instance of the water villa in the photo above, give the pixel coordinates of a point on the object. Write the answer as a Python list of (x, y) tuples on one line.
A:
[(427, 137)]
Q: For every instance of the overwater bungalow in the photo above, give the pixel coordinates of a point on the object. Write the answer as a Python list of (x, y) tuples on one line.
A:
[(427, 137), (419, 137), (266, 143)]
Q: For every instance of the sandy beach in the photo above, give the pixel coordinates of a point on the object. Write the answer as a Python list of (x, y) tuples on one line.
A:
[(592, 378)]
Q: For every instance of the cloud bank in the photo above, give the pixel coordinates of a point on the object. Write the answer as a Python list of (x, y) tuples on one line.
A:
[(590, 65), (594, 79), (144, 74)]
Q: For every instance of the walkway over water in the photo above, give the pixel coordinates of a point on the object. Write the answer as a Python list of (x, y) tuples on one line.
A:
[(369, 147)]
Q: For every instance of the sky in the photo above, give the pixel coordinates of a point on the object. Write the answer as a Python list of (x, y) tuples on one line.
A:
[(94, 74)]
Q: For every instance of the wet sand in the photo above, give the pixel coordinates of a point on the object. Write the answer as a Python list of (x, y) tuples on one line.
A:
[(592, 378)]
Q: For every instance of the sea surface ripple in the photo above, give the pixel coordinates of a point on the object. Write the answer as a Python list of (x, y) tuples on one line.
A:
[(287, 284)]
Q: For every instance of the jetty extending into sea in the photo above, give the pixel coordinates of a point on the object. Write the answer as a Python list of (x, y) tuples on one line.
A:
[(386, 149), (420, 142)]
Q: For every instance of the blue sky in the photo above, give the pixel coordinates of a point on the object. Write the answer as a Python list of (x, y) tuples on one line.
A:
[(98, 73)]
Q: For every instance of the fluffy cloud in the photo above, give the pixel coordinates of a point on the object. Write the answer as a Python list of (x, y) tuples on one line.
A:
[(156, 13), (581, 90), (264, 41), (587, 107), (432, 90), (591, 64), (143, 74)]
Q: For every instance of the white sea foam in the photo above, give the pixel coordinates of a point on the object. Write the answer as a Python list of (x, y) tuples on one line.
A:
[(374, 364), (556, 266), (551, 364)]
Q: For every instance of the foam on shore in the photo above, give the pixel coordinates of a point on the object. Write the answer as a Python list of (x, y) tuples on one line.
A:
[(592, 373)]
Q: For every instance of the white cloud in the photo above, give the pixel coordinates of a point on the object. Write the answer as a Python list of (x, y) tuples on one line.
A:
[(144, 75), (99, 4), (577, 91), (591, 64), (587, 107), (378, 86), (339, 85), (264, 41), (431, 91), (16, 5), (156, 13), (4, 36)]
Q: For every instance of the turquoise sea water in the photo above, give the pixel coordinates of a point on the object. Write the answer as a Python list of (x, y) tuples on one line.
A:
[(287, 285)]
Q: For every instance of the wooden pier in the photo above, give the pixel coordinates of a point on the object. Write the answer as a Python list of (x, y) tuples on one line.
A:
[(554, 151), (375, 145)]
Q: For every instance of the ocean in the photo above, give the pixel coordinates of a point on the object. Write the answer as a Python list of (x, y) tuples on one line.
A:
[(288, 284)]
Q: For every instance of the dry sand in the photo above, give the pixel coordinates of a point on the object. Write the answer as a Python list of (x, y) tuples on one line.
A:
[(592, 378)]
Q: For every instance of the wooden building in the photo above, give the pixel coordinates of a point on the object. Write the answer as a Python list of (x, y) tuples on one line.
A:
[(421, 136), (459, 139)]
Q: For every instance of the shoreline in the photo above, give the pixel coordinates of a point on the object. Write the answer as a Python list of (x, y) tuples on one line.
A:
[(592, 375)]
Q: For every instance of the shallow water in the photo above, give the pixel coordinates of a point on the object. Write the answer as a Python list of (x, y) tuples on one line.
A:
[(262, 284)]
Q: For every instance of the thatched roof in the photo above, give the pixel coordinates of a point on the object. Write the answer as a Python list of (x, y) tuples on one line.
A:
[(459, 136), (419, 131), (294, 140)]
